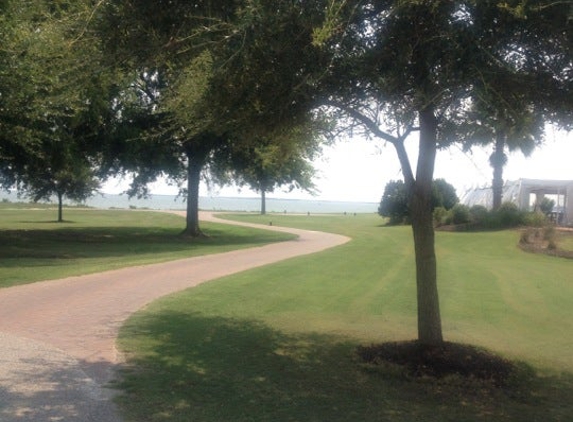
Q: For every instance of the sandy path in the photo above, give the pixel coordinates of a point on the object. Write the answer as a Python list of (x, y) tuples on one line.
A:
[(57, 338)]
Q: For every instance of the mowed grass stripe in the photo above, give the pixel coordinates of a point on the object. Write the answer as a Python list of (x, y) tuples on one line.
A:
[(277, 343), (491, 292), (503, 298)]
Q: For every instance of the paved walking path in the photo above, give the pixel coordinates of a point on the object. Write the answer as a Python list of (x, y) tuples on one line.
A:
[(57, 338)]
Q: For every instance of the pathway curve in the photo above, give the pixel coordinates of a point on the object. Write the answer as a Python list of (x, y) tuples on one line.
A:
[(57, 338)]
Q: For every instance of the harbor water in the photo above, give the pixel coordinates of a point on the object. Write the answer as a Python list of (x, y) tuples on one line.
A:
[(217, 203)]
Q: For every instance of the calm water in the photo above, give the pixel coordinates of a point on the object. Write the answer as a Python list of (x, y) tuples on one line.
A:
[(162, 202)]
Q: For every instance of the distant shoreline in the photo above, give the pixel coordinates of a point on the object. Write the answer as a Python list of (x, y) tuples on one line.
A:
[(218, 203)]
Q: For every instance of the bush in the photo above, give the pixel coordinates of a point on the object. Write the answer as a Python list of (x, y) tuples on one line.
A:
[(440, 216), (460, 214), (395, 200), (509, 215), (479, 214), (535, 219), (549, 233), (444, 195)]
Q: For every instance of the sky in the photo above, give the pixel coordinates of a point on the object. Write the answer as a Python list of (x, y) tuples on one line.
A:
[(358, 170)]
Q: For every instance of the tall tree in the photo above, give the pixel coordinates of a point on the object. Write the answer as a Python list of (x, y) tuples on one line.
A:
[(407, 59), (193, 45), (51, 112), (155, 139), (268, 164), (163, 43), (404, 66), (58, 103), (521, 131)]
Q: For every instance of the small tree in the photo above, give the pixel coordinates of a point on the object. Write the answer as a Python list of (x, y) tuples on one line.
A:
[(52, 116), (266, 164), (444, 194), (395, 205), (73, 180)]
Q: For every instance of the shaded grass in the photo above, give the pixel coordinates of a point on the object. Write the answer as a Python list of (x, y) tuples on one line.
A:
[(278, 343), (33, 247), (199, 368)]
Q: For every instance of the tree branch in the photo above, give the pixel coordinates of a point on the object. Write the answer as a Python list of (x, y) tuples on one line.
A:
[(369, 123)]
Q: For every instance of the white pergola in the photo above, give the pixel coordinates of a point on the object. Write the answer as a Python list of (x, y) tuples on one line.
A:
[(519, 192)]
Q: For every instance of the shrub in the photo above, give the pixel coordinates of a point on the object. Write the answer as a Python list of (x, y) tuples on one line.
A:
[(440, 216), (479, 214), (509, 215), (444, 194), (395, 200), (460, 214), (535, 219), (549, 233), (527, 235)]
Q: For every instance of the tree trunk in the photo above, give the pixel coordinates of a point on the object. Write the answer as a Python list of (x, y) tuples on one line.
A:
[(497, 161), (263, 201), (194, 167), (60, 207), (429, 320)]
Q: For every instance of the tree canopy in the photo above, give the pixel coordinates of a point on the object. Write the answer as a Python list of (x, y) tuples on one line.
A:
[(399, 67), (53, 103), (216, 89)]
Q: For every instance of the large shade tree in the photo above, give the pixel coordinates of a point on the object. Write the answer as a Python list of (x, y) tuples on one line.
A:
[(158, 43), (53, 101), (207, 101), (408, 65)]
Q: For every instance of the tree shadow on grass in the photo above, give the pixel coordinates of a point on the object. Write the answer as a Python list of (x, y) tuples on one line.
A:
[(192, 367)]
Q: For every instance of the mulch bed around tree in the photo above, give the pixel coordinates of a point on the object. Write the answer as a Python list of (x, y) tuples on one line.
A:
[(438, 362)]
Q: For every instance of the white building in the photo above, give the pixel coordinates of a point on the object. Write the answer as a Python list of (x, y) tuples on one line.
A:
[(525, 193)]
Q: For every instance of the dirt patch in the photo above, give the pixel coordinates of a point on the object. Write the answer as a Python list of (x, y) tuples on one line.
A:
[(438, 362)]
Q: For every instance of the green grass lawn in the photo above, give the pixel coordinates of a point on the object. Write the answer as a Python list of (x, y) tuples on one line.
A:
[(277, 343), (34, 247)]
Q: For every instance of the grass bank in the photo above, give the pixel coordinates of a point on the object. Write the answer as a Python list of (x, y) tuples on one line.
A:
[(277, 343), (33, 246)]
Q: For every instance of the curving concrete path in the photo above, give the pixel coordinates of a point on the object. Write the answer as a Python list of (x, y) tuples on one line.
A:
[(57, 338)]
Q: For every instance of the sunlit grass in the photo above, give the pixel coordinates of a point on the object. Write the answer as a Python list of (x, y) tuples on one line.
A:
[(276, 343)]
